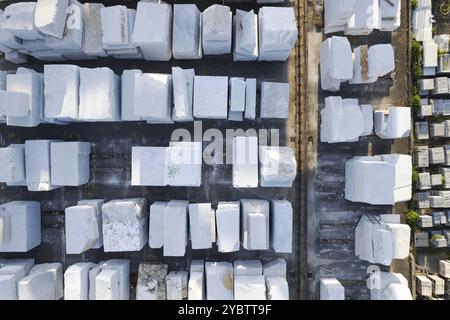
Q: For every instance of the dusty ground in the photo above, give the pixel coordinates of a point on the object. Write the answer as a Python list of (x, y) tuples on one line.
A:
[(331, 218), (111, 163)]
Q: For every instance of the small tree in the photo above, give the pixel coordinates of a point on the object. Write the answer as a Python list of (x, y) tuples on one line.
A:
[(412, 218)]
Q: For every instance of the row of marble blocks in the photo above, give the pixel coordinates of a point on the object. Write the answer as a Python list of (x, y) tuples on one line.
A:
[(127, 225), (44, 165), (56, 30), (238, 280), (68, 93)]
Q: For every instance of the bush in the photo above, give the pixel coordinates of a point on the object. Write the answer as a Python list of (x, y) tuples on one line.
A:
[(416, 102), (415, 90), (437, 236), (434, 30), (414, 4), (412, 217)]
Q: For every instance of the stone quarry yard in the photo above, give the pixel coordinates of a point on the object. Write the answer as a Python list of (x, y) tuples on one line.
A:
[(110, 170)]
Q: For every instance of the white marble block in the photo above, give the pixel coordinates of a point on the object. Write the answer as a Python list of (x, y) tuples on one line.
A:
[(183, 92), (26, 263), (114, 21), (281, 226), (245, 162), (156, 228), (107, 285), (122, 266), (99, 95), (183, 165), (29, 84), (186, 40), (153, 30), (56, 270), (37, 165), (247, 267), (250, 99), (245, 36), (16, 57), (151, 283), (275, 268), (97, 205), (277, 33), (61, 89), (176, 285), (249, 287), (175, 228), (20, 226), (219, 281), (274, 100), (237, 94), (69, 163), (83, 226), (277, 288), (200, 225), (12, 165), (20, 21), (14, 104), (255, 224), (125, 224), (92, 41), (196, 286), (210, 97), (7, 39), (37, 286), (153, 96), (277, 166), (8, 289), (147, 166), (50, 16), (127, 95), (331, 289), (228, 226), (76, 281), (216, 30)]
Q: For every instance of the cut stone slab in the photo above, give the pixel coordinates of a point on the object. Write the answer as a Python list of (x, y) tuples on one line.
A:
[(444, 268), (277, 33), (237, 94), (7, 39), (247, 267), (76, 281), (70, 163), (227, 219), (278, 167), (200, 225), (216, 30), (331, 289), (148, 166), (16, 57), (30, 84), (37, 286), (156, 228), (245, 162), (210, 97), (92, 36), (20, 21), (151, 283), (8, 289), (114, 21), (175, 228), (281, 226), (128, 96), (50, 16), (26, 263), (123, 268), (249, 287), (277, 288), (107, 285), (56, 270), (250, 99), (196, 286), (274, 100), (20, 226), (125, 224), (336, 62), (183, 90), (255, 224), (219, 281), (176, 284), (393, 123), (183, 165), (245, 36), (83, 228), (153, 96), (99, 95), (153, 30), (275, 268), (14, 104), (186, 40), (12, 165), (61, 86)]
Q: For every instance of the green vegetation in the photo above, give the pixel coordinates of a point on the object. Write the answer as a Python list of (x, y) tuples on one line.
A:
[(443, 180), (412, 218), (415, 176), (434, 30), (437, 236), (415, 102), (413, 4), (416, 57)]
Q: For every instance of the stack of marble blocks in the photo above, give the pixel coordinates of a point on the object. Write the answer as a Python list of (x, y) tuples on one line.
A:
[(44, 165)]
